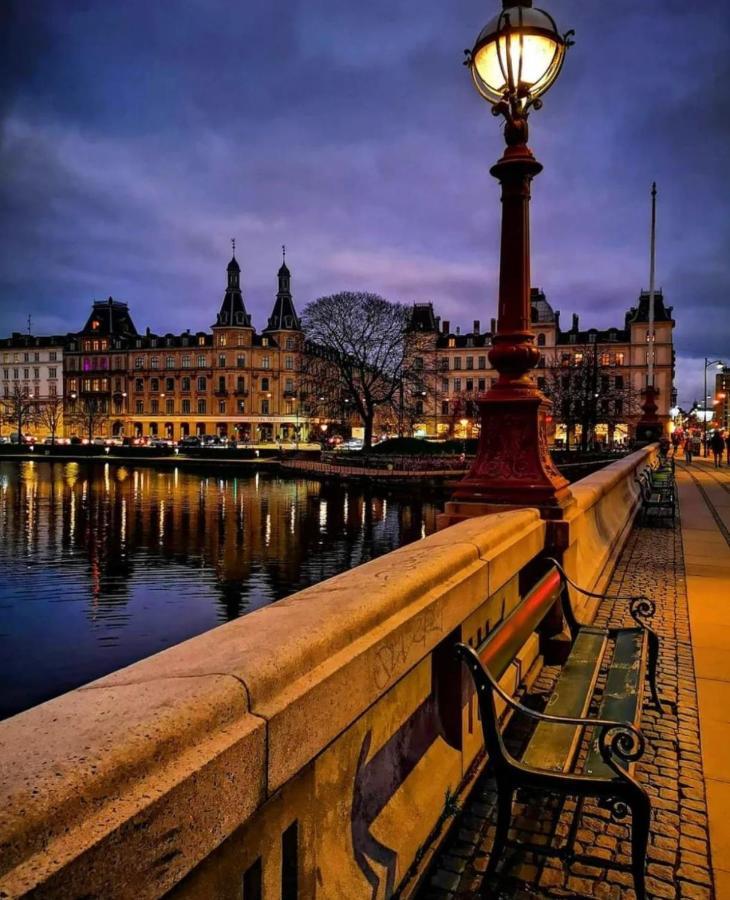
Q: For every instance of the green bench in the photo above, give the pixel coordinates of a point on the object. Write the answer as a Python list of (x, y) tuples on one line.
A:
[(552, 760), (658, 496)]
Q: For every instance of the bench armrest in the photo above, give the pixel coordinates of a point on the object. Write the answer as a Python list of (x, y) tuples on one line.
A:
[(641, 607), (616, 739)]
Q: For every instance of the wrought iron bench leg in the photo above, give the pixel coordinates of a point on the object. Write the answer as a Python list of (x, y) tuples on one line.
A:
[(653, 647), (640, 821), (505, 796)]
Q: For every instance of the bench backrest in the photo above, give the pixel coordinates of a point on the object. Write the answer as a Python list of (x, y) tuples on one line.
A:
[(501, 647)]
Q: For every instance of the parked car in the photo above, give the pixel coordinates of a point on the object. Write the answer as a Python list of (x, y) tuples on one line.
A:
[(213, 442), (160, 443), (4, 440), (131, 442), (190, 441), (352, 444), (58, 441)]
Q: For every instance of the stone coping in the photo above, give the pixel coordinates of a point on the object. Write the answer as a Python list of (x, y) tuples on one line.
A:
[(589, 490)]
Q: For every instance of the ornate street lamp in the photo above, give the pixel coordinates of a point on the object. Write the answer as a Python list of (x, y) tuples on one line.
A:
[(515, 59)]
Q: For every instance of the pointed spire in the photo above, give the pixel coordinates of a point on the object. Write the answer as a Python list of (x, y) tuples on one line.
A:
[(233, 311), (283, 316)]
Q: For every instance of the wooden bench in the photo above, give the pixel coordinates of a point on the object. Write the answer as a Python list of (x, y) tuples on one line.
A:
[(551, 760)]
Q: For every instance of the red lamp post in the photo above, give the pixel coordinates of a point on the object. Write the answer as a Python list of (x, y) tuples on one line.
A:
[(516, 58)]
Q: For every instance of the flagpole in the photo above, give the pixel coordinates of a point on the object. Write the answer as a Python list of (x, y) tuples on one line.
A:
[(650, 335)]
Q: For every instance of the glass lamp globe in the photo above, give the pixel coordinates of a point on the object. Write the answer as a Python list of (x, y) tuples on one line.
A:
[(518, 54)]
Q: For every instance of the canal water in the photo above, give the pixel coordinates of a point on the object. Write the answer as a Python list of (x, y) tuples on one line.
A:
[(103, 564)]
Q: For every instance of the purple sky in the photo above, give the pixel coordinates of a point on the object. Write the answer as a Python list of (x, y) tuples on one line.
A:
[(137, 138)]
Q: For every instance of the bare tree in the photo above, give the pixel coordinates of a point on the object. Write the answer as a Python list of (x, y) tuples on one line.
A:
[(50, 415), (358, 353), (88, 414), (586, 392), (20, 408)]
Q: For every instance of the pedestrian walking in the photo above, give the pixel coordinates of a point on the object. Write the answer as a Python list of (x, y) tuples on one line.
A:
[(717, 445), (688, 450)]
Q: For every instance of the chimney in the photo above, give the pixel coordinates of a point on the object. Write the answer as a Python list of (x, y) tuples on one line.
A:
[(446, 326), (575, 322), (493, 326), (458, 329), (476, 326), (557, 319), (147, 331)]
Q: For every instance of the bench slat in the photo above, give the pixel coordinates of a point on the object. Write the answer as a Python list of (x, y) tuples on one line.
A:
[(553, 746), (622, 693)]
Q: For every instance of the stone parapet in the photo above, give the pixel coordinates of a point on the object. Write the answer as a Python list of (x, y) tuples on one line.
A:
[(322, 739), (595, 528)]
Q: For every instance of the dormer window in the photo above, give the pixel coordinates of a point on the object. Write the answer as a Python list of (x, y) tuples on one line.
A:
[(95, 325), (264, 342), (224, 318), (239, 318), (288, 321)]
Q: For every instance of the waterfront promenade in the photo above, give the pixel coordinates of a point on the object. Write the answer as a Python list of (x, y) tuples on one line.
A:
[(686, 570)]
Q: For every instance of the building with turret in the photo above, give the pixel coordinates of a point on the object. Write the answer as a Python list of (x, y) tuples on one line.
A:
[(458, 367), (230, 381)]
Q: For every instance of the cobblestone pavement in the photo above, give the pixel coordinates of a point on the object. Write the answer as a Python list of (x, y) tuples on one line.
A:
[(671, 769)]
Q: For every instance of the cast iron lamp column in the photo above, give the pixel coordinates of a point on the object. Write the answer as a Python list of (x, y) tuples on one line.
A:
[(515, 59)]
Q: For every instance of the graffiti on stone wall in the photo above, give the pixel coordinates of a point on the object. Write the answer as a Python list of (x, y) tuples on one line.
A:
[(378, 778)]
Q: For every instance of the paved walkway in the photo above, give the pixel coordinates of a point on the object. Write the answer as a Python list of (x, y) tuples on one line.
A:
[(704, 494), (686, 570)]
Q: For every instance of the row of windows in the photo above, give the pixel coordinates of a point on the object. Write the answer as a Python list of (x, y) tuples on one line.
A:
[(29, 357), (605, 359), (469, 341), (456, 362), (201, 407), (89, 363), (222, 341), (467, 384), (170, 362), (52, 373), (27, 391), (201, 384)]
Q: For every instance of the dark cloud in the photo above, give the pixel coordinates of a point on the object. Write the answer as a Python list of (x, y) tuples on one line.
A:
[(137, 138)]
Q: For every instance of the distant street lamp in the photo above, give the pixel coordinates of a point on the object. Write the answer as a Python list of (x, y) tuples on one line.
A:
[(515, 59), (463, 423), (718, 363)]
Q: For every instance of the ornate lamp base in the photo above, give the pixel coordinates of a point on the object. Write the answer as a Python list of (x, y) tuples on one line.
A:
[(513, 467), (649, 428)]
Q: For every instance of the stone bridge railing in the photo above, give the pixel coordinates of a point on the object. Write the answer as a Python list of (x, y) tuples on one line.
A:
[(311, 749)]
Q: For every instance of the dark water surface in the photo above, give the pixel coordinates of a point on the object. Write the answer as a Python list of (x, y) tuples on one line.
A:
[(104, 564)]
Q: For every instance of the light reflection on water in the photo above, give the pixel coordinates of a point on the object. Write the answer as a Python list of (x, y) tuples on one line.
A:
[(102, 564)]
